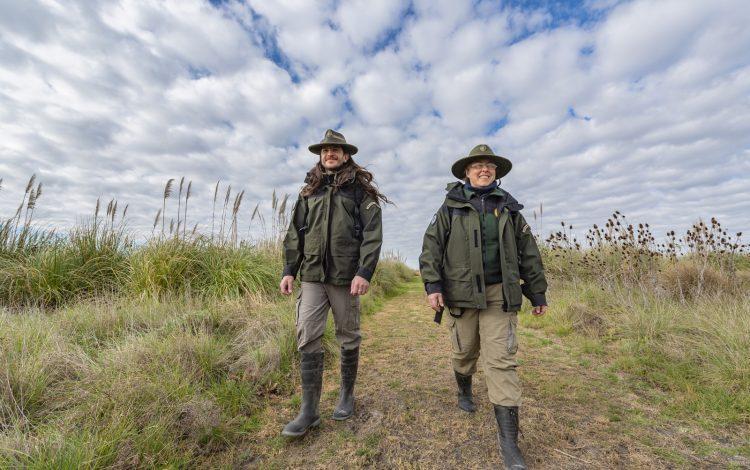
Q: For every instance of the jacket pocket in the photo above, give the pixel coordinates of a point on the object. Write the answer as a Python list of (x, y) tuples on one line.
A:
[(312, 244), (344, 257), (457, 284), (343, 267)]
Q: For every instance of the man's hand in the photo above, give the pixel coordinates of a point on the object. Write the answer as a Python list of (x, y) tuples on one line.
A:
[(287, 284), (436, 301), (539, 310), (360, 286)]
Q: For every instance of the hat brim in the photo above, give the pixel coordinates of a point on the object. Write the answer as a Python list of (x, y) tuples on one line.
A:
[(503, 165), (348, 148)]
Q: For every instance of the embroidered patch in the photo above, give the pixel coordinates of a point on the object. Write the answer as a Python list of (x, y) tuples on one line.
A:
[(372, 203), (526, 228), (483, 148)]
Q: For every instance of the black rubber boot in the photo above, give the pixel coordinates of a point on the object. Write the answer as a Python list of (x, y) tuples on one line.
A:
[(507, 423), (311, 369), (349, 361), (465, 398)]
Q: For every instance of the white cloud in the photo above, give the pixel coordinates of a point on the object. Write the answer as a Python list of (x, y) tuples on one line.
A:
[(646, 111)]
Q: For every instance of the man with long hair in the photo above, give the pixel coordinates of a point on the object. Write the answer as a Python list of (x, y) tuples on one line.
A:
[(333, 244), (476, 251)]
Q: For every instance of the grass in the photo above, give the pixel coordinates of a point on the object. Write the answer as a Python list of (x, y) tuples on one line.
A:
[(162, 354), (165, 354), (673, 317), (695, 354), (145, 382)]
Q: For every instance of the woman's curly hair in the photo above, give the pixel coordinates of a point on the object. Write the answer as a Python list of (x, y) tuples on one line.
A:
[(349, 171)]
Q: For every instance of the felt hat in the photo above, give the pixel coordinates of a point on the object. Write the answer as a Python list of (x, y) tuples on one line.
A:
[(481, 152), (332, 137)]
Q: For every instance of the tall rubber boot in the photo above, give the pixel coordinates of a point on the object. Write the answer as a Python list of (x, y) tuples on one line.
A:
[(311, 369), (349, 361), (465, 397), (507, 423)]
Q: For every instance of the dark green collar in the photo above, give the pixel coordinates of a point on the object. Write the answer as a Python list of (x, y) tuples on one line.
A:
[(457, 196)]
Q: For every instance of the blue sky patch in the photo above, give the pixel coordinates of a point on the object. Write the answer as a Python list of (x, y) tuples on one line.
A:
[(196, 73), (572, 113), (390, 36), (497, 125)]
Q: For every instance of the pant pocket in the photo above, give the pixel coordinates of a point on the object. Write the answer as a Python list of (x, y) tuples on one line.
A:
[(512, 334), (455, 339), (297, 307), (354, 312)]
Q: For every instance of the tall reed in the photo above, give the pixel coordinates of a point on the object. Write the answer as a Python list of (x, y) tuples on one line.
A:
[(97, 256)]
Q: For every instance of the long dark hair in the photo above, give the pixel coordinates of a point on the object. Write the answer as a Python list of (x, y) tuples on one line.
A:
[(347, 172)]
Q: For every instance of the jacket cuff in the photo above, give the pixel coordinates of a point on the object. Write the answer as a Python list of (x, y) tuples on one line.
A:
[(538, 299), (289, 271), (433, 288), (365, 273)]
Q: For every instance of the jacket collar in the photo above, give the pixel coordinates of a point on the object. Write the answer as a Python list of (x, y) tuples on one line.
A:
[(457, 196)]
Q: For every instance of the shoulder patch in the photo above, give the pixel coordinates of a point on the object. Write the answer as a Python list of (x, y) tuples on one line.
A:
[(372, 203), (526, 228), (434, 219)]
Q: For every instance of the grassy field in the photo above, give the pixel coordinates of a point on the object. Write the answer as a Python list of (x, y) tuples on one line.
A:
[(179, 351), (674, 314), (114, 354)]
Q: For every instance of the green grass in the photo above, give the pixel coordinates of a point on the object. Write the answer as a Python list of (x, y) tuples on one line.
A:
[(155, 380), (694, 352)]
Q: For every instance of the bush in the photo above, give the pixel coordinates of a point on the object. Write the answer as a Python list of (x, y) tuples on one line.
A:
[(687, 280)]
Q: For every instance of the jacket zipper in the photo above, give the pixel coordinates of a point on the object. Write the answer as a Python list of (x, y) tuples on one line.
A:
[(326, 252)]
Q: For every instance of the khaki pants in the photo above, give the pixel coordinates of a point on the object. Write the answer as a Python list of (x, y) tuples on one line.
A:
[(494, 333), (313, 302)]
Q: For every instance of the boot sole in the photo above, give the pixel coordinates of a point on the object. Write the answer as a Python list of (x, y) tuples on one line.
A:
[(341, 418), (315, 424), (473, 409)]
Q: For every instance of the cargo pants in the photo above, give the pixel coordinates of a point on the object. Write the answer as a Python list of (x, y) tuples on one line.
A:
[(313, 302), (494, 333)]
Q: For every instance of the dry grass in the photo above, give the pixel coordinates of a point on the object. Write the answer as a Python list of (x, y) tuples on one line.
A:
[(125, 382), (114, 355), (577, 412)]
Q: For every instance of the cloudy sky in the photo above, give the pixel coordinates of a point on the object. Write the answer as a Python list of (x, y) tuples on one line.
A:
[(640, 106)]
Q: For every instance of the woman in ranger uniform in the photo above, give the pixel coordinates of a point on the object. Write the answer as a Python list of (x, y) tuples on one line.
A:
[(476, 250), (333, 243)]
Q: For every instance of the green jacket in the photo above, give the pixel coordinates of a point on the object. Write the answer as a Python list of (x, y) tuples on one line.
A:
[(451, 260), (327, 242)]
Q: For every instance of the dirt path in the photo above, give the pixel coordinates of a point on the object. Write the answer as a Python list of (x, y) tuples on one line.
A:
[(575, 415)]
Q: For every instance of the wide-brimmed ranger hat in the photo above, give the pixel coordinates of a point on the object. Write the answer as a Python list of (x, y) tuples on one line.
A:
[(333, 138), (482, 152)]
